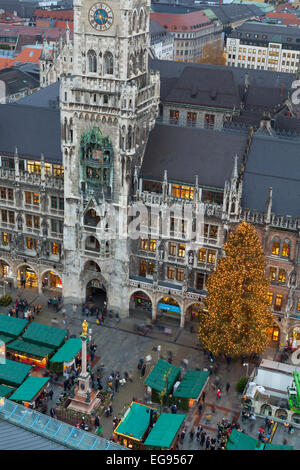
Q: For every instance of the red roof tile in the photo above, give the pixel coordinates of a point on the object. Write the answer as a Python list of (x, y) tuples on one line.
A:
[(57, 14), (287, 18), (182, 22)]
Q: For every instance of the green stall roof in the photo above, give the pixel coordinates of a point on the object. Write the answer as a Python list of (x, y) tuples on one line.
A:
[(13, 373), (6, 338), (29, 348), (277, 447), (239, 441), (12, 326), (68, 351), (45, 335), (135, 422), (164, 430), (192, 384), (156, 378), (29, 389), (5, 391)]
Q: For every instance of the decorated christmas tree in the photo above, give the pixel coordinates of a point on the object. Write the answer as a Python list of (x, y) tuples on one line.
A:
[(237, 313)]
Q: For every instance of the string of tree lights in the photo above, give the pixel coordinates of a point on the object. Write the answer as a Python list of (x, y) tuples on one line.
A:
[(237, 314)]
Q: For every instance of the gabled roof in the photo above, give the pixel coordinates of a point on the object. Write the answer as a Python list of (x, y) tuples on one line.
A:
[(156, 379), (13, 373), (273, 162), (164, 430), (135, 422), (68, 351), (186, 152), (29, 389), (31, 132), (12, 326), (192, 384), (30, 348), (45, 335), (239, 441), (204, 87)]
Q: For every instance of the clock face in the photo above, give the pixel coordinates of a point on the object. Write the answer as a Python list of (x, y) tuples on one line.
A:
[(101, 16)]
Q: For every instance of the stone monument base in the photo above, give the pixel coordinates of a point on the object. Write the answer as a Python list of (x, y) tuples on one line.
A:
[(79, 404)]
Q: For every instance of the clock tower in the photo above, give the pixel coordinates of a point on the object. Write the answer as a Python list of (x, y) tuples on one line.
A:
[(108, 108)]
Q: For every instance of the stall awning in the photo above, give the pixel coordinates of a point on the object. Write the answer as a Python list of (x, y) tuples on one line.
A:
[(12, 326), (135, 422), (68, 351), (5, 391), (164, 430), (192, 384), (29, 348), (157, 380), (239, 441), (277, 447), (13, 373), (45, 335), (6, 338), (29, 389)]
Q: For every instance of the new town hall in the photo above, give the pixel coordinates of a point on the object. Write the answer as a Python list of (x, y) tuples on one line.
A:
[(128, 130)]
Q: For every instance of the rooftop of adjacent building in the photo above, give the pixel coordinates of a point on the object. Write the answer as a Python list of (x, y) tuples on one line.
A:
[(182, 22), (267, 31)]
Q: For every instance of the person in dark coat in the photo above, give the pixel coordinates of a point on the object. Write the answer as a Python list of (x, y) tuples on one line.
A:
[(143, 370)]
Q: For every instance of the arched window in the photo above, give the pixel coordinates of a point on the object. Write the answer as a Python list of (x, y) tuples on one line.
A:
[(141, 20), (282, 276), (108, 63), (92, 59), (286, 249), (275, 246), (134, 22), (129, 137)]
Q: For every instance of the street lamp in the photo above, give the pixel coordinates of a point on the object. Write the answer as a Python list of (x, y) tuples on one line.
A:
[(247, 365)]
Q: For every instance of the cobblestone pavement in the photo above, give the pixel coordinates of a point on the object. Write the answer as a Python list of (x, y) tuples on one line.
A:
[(119, 347)]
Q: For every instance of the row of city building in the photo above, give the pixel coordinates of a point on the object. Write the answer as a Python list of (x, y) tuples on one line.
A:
[(222, 141)]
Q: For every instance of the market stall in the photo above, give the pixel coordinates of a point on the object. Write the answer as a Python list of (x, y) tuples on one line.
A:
[(45, 335), (190, 388), (164, 434), (162, 379), (135, 426), (238, 440), (5, 391), (29, 392), (12, 326), (29, 353), (64, 360), (13, 373), (6, 339)]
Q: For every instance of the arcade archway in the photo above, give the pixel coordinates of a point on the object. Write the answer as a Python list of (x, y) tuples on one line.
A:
[(5, 270), (193, 311), (51, 281), (140, 304), (27, 277), (168, 307), (96, 294)]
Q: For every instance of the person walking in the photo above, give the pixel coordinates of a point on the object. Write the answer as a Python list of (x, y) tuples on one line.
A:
[(182, 436), (117, 383), (203, 396), (207, 444), (143, 370), (202, 438), (228, 387), (219, 394), (191, 434), (199, 409)]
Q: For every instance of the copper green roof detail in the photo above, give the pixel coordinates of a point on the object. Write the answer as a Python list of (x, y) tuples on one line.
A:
[(13, 373), (30, 348), (29, 389), (45, 335), (192, 384), (135, 422), (6, 338), (12, 326), (157, 380), (68, 351), (239, 441), (164, 430), (5, 391)]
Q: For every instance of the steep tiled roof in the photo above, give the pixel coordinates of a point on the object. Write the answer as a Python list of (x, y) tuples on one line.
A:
[(182, 22)]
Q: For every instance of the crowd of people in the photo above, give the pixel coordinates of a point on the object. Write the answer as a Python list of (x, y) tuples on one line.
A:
[(21, 309)]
